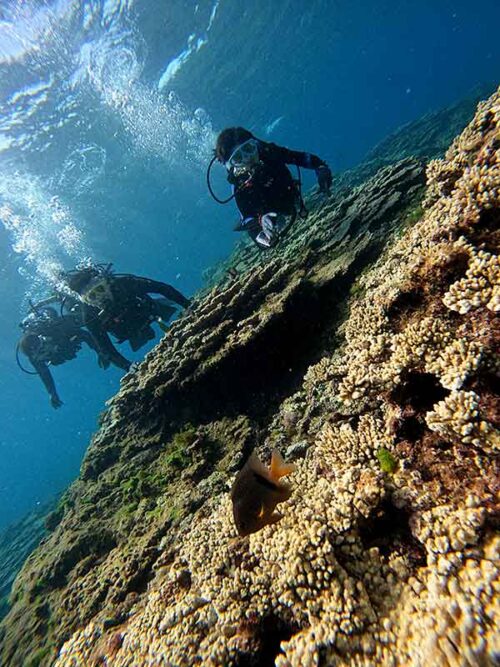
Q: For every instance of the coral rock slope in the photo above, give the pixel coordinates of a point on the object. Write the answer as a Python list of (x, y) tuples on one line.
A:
[(366, 347)]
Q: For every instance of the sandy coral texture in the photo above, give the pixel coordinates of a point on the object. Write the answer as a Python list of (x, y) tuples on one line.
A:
[(388, 551)]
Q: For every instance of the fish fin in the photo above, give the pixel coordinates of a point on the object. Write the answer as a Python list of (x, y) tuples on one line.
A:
[(274, 518), (278, 466), (258, 467), (285, 492)]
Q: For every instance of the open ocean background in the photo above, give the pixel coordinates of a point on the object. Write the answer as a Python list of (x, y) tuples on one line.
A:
[(108, 114)]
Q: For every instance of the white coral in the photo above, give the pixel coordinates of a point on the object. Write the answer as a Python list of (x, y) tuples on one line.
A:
[(457, 417)]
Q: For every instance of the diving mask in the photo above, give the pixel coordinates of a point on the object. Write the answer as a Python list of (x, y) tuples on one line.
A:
[(244, 155), (98, 293)]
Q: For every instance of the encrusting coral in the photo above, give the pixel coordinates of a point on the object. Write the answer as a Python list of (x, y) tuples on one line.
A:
[(368, 566)]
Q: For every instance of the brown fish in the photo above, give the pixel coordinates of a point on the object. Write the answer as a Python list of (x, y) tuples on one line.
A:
[(256, 492)]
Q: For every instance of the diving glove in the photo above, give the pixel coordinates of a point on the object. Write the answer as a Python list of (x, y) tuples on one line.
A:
[(324, 176), (55, 401)]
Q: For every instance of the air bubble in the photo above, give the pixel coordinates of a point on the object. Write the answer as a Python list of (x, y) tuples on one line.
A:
[(82, 168)]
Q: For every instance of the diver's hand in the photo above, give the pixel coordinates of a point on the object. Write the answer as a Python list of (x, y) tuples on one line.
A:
[(103, 361), (324, 176), (55, 402)]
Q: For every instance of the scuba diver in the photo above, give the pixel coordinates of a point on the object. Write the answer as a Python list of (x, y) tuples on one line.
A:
[(263, 187), (52, 339), (120, 305)]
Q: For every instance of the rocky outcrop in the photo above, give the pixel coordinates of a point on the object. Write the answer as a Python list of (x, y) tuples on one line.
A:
[(366, 346)]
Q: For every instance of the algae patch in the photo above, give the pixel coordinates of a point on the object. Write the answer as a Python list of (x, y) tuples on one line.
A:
[(386, 460)]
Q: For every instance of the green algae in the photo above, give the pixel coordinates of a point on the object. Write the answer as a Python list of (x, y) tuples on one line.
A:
[(414, 214), (15, 595), (175, 513), (54, 518), (357, 289), (39, 587), (180, 452), (153, 481), (177, 455), (177, 458), (126, 511), (386, 460), (37, 659)]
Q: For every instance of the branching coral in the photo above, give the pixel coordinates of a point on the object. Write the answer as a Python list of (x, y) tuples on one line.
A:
[(480, 287), (458, 418), (445, 618), (454, 363)]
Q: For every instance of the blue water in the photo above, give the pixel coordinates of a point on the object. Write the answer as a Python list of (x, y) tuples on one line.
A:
[(108, 112)]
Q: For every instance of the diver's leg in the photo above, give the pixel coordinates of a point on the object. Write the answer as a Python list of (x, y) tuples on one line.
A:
[(162, 309), (247, 224), (141, 337), (105, 346)]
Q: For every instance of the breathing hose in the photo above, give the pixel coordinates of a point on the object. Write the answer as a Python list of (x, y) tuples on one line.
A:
[(18, 361), (209, 185)]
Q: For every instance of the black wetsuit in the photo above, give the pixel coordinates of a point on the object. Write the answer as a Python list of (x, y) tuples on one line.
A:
[(269, 185), (54, 342), (128, 315)]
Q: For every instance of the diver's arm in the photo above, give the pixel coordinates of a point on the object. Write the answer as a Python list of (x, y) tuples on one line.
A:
[(155, 287), (104, 346), (306, 160), (46, 376), (27, 346)]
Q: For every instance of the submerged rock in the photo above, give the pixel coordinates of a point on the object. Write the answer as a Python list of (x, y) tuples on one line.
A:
[(356, 326)]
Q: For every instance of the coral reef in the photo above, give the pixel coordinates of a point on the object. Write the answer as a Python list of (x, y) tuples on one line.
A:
[(367, 348)]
